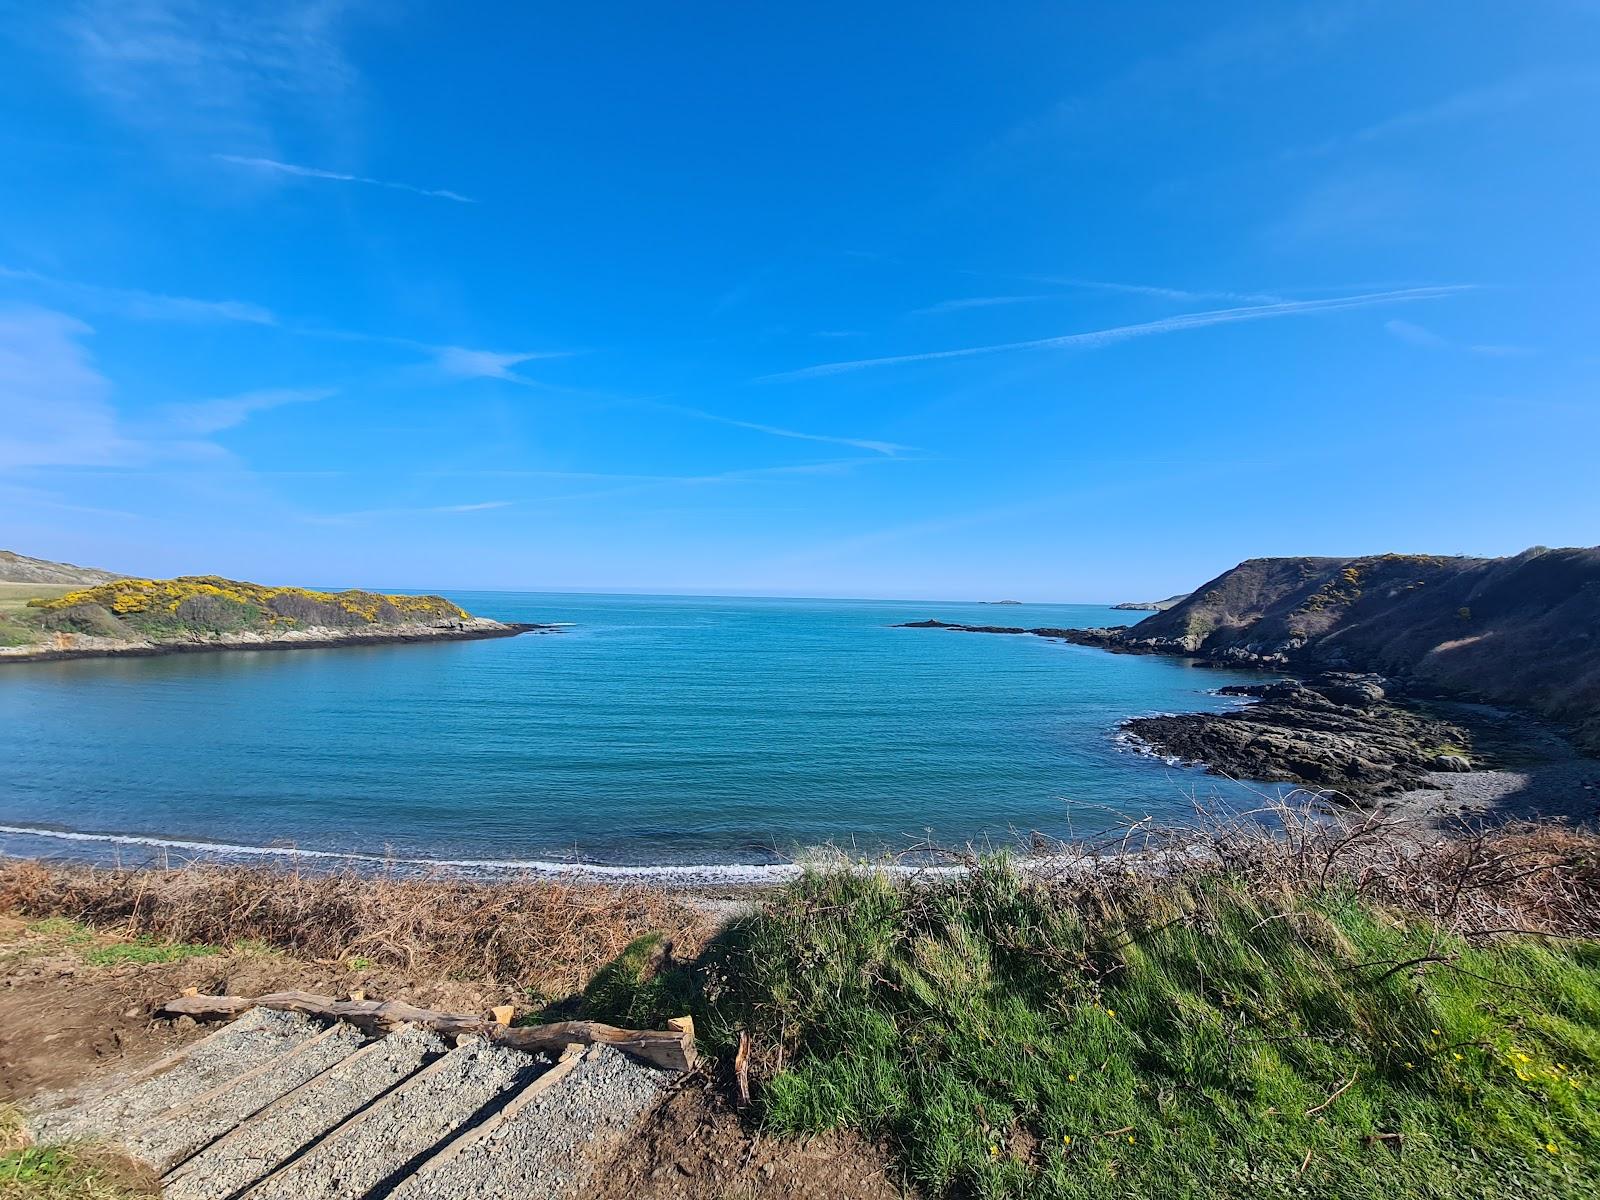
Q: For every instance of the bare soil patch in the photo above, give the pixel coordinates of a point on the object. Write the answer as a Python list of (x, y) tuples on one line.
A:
[(69, 1022), (696, 1147)]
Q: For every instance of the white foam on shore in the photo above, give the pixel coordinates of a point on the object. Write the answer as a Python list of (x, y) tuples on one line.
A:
[(667, 874), (730, 873)]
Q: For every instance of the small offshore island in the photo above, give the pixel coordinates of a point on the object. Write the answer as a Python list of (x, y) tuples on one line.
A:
[(44, 617)]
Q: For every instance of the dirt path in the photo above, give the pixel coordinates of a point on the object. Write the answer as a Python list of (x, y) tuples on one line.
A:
[(75, 1023)]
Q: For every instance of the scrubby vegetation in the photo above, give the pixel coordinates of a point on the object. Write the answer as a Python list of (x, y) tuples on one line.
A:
[(1322, 1012), (209, 605), (1206, 1039), (542, 938), (1311, 1015)]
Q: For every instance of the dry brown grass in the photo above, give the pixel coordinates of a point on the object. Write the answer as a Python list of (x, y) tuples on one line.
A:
[(1472, 881), (551, 937)]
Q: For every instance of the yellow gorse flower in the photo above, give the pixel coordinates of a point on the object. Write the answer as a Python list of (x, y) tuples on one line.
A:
[(127, 596)]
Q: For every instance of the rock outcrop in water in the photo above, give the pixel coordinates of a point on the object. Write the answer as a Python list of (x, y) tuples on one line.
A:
[(1336, 731)]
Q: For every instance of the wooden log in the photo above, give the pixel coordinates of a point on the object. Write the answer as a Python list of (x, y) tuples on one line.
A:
[(672, 1049)]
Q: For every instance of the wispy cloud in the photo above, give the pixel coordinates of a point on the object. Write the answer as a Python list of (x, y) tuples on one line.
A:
[(456, 362), (888, 449), (961, 305), (460, 362), (194, 69), (366, 514), (616, 485), (143, 305), (1493, 100), (1104, 337), (1185, 295), (282, 168), (1418, 335), (55, 407), (213, 416)]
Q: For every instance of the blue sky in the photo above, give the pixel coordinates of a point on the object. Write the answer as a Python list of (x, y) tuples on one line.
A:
[(1066, 301)]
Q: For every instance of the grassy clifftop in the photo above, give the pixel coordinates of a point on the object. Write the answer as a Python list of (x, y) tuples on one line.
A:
[(204, 606)]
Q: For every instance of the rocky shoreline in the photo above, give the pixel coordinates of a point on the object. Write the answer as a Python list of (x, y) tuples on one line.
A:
[(1358, 737), (80, 645), (1334, 732)]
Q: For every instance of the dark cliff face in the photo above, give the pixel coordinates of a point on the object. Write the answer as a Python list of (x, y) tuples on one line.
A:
[(1523, 630)]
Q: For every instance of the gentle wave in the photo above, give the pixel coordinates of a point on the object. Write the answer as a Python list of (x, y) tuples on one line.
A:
[(713, 873), (1058, 865)]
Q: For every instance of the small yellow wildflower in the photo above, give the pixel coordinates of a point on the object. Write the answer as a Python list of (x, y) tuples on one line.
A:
[(1435, 1032), (1552, 1148), (1409, 1066), (1130, 1139), (1111, 1012), (1066, 1139), (994, 1151), (1072, 1079), (1457, 1057)]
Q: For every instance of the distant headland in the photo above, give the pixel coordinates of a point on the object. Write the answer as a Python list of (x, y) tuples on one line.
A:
[(1374, 641), (1150, 605), (56, 611)]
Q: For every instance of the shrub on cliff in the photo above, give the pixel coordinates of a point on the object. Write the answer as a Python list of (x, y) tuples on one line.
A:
[(211, 604), (87, 618)]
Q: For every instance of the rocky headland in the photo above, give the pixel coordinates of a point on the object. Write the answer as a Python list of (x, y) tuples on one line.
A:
[(141, 617), (1385, 649)]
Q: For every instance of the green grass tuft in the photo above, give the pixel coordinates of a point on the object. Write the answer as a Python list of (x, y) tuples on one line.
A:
[(73, 933), (1012, 1042), (69, 1172), (147, 950)]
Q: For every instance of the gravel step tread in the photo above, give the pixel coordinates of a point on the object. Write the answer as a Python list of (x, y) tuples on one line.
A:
[(404, 1126), (174, 1136), (257, 1036), (546, 1149), (299, 1118)]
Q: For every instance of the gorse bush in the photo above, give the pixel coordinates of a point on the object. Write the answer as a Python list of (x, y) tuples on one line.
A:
[(1015, 1038), (210, 604)]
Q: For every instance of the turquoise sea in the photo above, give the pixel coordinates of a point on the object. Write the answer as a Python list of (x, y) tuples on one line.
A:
[(653, 731)]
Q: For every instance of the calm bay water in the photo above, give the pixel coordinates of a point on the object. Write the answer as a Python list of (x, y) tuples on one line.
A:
[(656, 730)]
